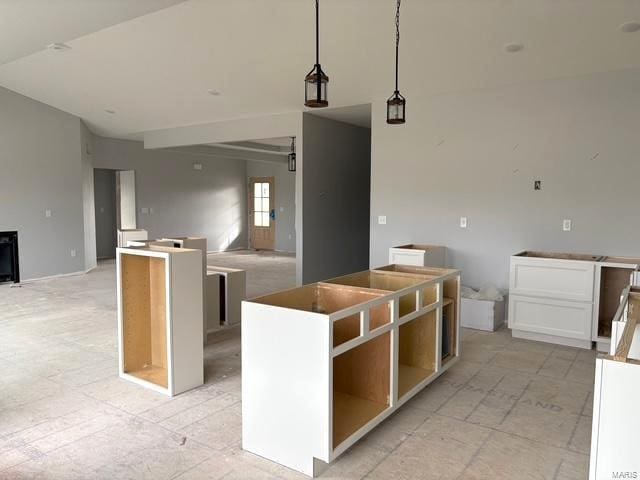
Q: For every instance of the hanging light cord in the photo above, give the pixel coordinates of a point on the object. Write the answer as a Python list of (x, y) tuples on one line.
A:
[(317, 34), (397, 39)]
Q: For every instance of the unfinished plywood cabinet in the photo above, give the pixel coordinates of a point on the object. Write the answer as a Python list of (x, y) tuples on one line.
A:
[(159, 293), (323, 364), (420, 255), (566, 298), (233, 289), (614, 452)]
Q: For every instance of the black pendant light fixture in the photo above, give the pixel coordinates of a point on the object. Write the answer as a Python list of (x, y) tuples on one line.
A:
[(396, 104), (315, 83), (291, 158)]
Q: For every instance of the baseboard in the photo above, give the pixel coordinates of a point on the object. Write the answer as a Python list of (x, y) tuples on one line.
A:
[(60, 275)]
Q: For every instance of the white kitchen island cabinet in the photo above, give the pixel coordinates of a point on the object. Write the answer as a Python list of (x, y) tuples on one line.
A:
[(159, 292), (566, 298), (325, 363)]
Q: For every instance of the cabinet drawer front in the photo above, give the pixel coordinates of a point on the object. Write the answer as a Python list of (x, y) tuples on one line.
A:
[(551, 317), (555, 279), (406, 257)]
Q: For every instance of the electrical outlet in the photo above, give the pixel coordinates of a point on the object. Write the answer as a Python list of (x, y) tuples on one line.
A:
[(537, 185), (463, 222), (73, 253), (282, 209), (144, 210), (47, 213), (382, 219), (566, 225), (197, 166)]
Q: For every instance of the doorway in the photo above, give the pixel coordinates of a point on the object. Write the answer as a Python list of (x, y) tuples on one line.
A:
[(262, 219), (104, 187)]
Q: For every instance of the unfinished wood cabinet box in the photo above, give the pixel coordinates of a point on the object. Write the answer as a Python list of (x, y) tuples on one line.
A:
[(323, 364), (419, 255), (124, 236), (614, 451), (196, 243), (566, 298), (233, 289), (159, 292)]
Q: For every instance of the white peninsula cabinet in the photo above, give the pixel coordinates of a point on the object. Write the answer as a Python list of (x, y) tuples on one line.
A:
[(325, 363), (565, 298)]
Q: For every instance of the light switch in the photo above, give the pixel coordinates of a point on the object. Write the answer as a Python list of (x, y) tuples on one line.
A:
[(73, 253), (282, 209), (151, 211), (197, 166), (382, 219), (47, 213), (463, 222), (566, 225)]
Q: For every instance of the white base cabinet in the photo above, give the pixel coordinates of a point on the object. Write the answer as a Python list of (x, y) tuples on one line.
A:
[(325, 363), (419, 255), (565, 298), (616, 423), (159, 291), (124, 236), (233, 289)]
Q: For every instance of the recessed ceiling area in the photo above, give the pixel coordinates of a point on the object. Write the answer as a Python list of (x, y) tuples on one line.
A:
[(156, 70)]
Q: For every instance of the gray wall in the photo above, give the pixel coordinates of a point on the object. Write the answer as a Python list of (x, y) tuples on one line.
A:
[(336, 189), (88, 205), (210, 202), (477, 155), (105, 212), (41, 165), (285, 191)]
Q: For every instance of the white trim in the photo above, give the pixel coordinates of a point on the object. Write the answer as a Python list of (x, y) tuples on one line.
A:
[(59, 275)]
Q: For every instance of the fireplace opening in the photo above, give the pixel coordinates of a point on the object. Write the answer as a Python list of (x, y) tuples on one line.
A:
[(9, 269)]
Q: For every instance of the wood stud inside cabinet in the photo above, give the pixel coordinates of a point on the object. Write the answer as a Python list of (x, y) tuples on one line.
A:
[(323, 364)]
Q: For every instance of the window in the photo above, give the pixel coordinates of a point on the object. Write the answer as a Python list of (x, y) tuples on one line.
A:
[(261, 204)]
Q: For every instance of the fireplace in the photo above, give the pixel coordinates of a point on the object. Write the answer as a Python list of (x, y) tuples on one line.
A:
[(9, 270)]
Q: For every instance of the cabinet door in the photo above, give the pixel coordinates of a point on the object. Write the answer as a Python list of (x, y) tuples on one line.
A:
[(559, 318), (561, 279)]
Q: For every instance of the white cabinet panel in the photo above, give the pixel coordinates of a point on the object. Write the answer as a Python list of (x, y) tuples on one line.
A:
[(550, 317), (550, 278)]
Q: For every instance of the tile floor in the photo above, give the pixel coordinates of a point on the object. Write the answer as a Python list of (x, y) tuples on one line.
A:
[(510, 409)]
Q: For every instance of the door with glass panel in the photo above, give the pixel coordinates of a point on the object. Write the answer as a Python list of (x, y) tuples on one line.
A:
[(262, 221)]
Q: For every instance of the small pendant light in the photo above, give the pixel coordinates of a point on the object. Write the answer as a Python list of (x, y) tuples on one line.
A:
[(291, 158), (396, 104), (315, 83)]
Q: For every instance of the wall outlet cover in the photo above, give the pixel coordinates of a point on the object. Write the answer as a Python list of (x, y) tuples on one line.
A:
[(47, 213), (566, 225), (73, 253), (463, 222), (382, 219), (197, 166), (144, 210)]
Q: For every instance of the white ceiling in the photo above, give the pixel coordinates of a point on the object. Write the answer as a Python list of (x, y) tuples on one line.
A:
[(155, 70), (27, 26)]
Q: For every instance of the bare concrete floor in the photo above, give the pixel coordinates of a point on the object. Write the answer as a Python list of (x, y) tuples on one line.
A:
[(510, 409)]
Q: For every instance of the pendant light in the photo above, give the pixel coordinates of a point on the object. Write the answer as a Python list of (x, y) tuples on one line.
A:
[(291, 158), (315, 83), (396, 104)]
